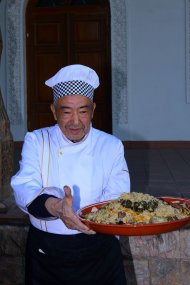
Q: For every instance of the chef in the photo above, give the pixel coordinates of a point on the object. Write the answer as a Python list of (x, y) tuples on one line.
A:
[(63, 168)]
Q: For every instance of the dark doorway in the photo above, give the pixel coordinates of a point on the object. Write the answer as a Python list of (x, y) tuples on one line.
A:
[(59, 33)]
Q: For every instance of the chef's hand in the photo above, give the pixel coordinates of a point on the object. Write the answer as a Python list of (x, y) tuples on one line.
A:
[(62, 208)]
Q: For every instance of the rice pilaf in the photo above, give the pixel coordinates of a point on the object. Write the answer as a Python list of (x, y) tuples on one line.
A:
[(137, 208)]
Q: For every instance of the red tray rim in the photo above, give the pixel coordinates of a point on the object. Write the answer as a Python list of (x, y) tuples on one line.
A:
[(183, 200)]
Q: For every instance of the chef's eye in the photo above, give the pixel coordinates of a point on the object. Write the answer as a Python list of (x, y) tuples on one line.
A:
[(65, 111), (84, 112)]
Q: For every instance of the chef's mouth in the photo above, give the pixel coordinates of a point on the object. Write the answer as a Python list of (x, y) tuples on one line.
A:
[(75, 130)]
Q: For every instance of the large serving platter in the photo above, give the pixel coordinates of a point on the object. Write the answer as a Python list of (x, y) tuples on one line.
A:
[(139, 229)]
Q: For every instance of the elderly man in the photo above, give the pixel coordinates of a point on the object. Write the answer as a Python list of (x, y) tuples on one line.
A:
[(63, 168)]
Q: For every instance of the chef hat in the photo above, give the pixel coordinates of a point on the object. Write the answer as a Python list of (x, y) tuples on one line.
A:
[(74, 79)]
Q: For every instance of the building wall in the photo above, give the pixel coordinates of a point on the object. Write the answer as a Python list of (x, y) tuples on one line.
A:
[(158, 108), (154, 105)]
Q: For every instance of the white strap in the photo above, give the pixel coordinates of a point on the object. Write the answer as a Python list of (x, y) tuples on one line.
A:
[(45, 161)]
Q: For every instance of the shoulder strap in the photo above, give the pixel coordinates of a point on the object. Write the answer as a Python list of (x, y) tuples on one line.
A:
[(45, 159)]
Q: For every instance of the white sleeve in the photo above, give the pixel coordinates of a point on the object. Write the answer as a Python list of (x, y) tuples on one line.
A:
[(118, 179), (27, 182)]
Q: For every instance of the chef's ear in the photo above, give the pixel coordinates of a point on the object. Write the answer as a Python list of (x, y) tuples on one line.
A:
[(52, 107), (93, 108)]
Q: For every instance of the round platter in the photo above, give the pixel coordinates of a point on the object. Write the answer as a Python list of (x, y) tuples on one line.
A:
[(138, 229)]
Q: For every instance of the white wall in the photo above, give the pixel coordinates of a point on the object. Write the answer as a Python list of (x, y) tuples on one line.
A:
[(158, 108)]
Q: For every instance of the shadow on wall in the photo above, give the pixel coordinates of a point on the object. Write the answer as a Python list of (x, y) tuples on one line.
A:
[(137, 160), (17, 157), (128, 261)]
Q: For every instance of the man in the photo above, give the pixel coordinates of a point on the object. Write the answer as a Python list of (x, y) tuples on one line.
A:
[(63, 168)]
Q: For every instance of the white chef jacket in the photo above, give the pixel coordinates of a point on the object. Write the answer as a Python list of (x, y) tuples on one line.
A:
[(94, 168)]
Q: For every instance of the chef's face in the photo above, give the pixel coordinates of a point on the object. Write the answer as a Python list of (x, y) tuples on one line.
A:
[(73, 114)]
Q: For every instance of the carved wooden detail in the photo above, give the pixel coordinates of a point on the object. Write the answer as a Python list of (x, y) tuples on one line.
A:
[(1, 45), (6, 149)]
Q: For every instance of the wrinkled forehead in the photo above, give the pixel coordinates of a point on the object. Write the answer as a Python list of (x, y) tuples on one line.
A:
[(73, 101)]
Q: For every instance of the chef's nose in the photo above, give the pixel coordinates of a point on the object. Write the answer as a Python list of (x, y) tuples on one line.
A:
[(75, 118)]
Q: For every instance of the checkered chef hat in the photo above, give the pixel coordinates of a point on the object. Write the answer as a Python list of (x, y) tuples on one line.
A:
[(74, 79)]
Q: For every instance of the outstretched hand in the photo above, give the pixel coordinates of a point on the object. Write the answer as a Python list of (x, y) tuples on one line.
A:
[(62, 208)]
